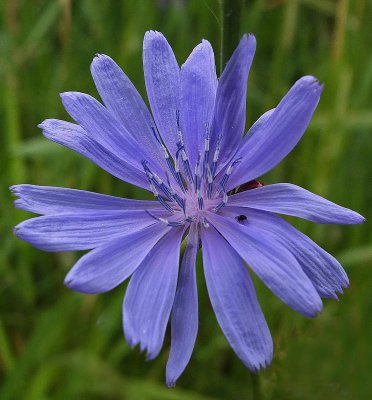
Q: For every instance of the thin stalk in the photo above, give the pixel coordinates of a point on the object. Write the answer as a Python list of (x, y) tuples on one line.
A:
[(231, 12), (256, 386)]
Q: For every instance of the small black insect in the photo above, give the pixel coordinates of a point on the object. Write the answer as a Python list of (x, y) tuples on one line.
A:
[(241, 218)]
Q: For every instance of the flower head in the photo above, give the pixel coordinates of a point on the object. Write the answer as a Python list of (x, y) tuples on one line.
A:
[(191, 153)]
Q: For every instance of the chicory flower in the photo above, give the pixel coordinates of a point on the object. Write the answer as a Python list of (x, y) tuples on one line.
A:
[(192, 154)]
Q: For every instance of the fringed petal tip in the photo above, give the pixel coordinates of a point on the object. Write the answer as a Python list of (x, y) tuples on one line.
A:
[(81, 287), (43, 125), (344, 284), (339, 291), (69, 98), (260, 365), (171, 378), (71, 282), (203, 47), (52, 129), (100, 56), (79, 105), (206, 42), (15, 190), (170, 384), (78, 285), (358, 218), (335, 293), (101, 62), (315, 310), (247, 44), (65, 95), (153, 36), (347, 217), (309, 80), (16, 231), (150, 354), (21, 232), (18, 203), (48, 124), (249, 38)]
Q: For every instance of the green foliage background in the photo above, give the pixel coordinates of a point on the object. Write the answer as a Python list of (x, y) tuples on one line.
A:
[(57, 344)]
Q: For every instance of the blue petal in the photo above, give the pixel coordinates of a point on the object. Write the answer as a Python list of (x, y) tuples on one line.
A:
[(55, 200), (184, 312), (324, 271), (273, 264), (162, 78), (280, 134), (285, 198), (231, 98), (259, 124), (234, 301), (83, 231), (150, 294), (125, 103), (103, 127), (107, 266), (77, 139), (198, 93)]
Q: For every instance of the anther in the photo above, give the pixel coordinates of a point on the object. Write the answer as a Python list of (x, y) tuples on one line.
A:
[(181, 150), (197, 181), (160, 199), (168, 160), (226, 176), (223, 203), (200, 202), (161, 185), (154, 181), (173, 224), (179, 132), (210, 182), (185, 161), (216, 154), (179, 200), (158, 139), (206, 150)]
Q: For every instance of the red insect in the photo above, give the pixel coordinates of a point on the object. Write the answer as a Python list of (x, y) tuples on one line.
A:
[(250, 185)]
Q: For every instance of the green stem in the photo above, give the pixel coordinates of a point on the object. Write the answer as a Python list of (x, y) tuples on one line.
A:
[(256, 387), (231, 12)]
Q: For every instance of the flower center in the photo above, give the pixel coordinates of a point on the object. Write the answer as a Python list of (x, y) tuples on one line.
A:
[(188, 195)]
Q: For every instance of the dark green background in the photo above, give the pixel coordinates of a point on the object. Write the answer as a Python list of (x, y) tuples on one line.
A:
[(57, 344)]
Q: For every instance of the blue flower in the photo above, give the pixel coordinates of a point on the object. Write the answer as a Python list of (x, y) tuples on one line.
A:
[(191, 153)]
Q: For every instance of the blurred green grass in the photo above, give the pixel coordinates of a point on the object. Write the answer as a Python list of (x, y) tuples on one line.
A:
[(56, 344)]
